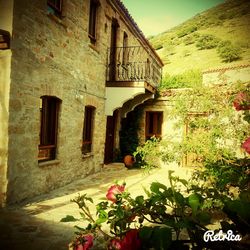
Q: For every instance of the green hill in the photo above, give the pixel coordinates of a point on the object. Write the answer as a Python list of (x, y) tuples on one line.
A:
[(214, 38)]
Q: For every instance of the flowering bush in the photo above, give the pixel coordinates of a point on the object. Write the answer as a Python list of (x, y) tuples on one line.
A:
[(131, 241), (114, 191), (156, 221), (176, 217), (242, 101), (246, 145), (83, 242)]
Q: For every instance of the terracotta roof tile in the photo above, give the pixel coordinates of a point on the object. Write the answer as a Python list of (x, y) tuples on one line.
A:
[(226, 68)]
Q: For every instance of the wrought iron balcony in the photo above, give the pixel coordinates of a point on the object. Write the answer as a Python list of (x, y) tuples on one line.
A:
[(132, 64)]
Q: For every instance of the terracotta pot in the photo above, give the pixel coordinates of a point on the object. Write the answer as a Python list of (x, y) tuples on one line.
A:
[(129, 161)]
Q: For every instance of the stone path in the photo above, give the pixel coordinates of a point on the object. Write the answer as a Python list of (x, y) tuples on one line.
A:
[(35, 224)]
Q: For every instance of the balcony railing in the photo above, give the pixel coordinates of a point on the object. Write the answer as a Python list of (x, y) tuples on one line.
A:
[(132, 64)]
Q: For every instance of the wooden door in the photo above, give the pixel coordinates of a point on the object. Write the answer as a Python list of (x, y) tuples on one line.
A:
[(110, 138)]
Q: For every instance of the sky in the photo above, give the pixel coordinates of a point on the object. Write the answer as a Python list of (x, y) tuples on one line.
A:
[(156, 16)]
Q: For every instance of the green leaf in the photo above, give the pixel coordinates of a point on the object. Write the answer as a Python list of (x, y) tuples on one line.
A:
[(239, 207), (69, 218), (89, 199), (101, 220), (156, 186), (179, 198), (194, 202), (80, 228), (146, 192), (139, 200), (103, 216)]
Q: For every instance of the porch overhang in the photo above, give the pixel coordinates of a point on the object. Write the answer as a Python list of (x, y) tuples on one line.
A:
[(126, 95)]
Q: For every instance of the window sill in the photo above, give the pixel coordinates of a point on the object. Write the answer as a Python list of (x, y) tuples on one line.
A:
[(87, 155), (93, 46), (48, 163), (56, 19)]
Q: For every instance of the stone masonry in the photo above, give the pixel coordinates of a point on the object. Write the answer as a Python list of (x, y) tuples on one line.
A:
[(53, 56)]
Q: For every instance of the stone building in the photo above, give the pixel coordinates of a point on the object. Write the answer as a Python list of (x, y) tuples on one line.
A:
[(69, 71)]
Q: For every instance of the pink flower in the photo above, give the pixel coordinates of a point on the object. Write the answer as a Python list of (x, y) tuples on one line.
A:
[(115, 244), (86, 243), (242, 101), (131, 241), (113, 191), (246, 145)]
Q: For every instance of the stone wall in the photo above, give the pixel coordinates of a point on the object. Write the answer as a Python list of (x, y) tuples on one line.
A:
[(52, 56), (6, 8), (164, 105), (227, 75), (5, 59)]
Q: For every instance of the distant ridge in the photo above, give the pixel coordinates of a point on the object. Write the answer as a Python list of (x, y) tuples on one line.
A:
[(194, 44)]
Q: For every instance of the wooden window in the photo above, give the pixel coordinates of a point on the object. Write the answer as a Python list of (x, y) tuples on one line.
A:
[(49, 110), (55, 7), (4, 39), (94, 4), (125, 49), (154, 124), (88, 129)]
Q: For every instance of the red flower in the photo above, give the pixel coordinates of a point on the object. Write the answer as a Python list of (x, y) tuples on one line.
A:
[(131, 241), (86, 243), (115, 244), (242, 101), (113, 191), (246, 145)]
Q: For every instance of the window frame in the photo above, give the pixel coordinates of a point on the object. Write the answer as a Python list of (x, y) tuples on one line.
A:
[(49, 118), (88, 129), (93, 13), (56, 7), (125, 49), (4, 39), (155, 124)]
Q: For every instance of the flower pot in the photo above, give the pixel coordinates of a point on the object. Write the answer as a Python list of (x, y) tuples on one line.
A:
[(129, 161)]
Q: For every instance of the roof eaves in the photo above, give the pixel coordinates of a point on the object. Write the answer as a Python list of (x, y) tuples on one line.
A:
[(125, 11)]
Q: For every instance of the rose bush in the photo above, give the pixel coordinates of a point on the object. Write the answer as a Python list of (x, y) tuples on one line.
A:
[(242, 101), (83, 242), (114, 191), (131, 241), (155, 221), (246, 145)]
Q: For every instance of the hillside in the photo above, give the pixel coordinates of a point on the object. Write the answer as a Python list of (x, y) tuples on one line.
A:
[(193, 45)]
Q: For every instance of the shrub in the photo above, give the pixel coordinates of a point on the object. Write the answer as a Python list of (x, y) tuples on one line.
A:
[(229, 52), (157, 44), (207, 41), (186, 30), (189, 40), (187, 79)]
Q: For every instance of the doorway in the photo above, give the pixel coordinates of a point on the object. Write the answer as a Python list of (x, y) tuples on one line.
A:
[(110, 138)]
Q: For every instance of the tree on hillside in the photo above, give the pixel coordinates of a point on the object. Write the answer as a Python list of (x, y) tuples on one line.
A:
[(207, 41), (228, 52)]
